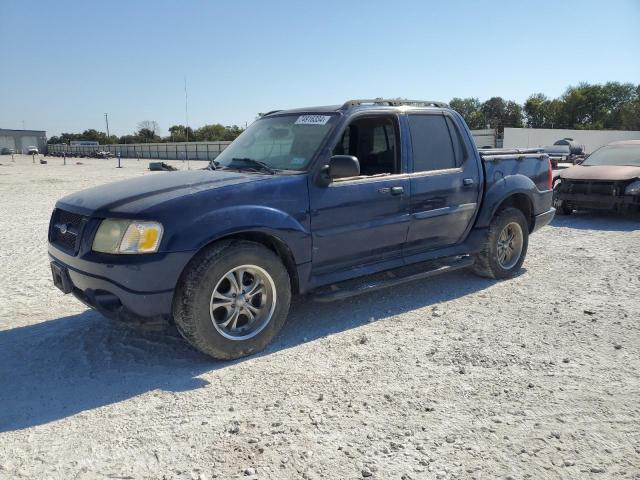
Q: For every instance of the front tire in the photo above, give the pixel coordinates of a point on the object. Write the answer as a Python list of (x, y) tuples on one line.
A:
[(232, 299), (561, 206), (506, 246)]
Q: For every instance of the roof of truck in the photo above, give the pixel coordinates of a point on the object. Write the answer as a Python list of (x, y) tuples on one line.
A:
[(363, 103)]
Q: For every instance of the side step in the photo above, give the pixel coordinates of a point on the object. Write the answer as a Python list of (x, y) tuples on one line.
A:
[(390, 278)]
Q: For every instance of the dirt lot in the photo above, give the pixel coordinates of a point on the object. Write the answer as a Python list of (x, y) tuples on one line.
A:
[(453, 377)]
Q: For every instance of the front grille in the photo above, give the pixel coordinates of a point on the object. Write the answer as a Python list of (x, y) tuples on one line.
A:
[(66, 229), (592, 188)]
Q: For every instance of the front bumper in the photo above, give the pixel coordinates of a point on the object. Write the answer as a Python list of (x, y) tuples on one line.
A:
[(601, 202), (543, 219), (133, 289)]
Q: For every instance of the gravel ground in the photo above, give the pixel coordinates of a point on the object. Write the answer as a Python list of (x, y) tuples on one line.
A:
[(452, 377)]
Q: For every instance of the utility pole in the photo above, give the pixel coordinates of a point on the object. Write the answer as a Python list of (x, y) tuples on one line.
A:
[(186, 129), (106, 119)]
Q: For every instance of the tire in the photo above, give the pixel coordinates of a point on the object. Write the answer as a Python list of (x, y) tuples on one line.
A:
[(489, 262), (214, 319), (561, 206)]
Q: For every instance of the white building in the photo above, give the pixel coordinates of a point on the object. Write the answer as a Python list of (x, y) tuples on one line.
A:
[(19, 141)]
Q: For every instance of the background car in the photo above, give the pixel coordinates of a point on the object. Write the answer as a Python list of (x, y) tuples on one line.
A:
[(608, 179)]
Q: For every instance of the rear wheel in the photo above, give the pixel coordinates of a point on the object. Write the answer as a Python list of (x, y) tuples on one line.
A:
[(232, 299), (506, 246)]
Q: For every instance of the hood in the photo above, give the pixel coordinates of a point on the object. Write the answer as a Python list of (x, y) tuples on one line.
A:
[(138, 194), (607, 173)]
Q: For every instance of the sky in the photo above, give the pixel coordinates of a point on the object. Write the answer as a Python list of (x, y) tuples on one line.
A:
[(64, 64)]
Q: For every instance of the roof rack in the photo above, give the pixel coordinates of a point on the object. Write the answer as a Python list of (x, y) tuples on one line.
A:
[(393, 102), (489, 152), (272, 111)]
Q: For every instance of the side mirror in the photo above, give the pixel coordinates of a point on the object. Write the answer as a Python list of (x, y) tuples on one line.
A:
[(340, 166)]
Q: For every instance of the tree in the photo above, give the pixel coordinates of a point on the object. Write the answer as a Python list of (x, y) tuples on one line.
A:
[(499, 113), (493, 111), (620, 97), (629, 115), (180, 133), (90, 134), (536, 110), (127, 139), (146, 135), (232, 132), (214, 132), (469, 108), (512, 115), (150, 125)]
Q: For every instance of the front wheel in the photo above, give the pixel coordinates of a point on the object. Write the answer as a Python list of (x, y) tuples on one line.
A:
[(506, 246), (233, 299), (561, 206)]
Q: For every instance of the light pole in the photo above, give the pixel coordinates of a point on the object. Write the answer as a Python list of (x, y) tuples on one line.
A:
[(106, 119), (186, 129)]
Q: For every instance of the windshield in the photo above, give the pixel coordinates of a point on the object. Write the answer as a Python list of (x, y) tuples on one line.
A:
[(286, 142), (615, 155)]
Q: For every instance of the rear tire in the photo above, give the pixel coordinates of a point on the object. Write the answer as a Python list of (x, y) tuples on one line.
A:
[(232, 299), (506, 246)]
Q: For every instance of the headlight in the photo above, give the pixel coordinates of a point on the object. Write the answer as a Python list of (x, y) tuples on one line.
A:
[(633, 188), (127, 236)]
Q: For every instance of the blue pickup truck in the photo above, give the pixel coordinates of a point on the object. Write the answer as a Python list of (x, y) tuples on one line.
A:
[(326, 201)]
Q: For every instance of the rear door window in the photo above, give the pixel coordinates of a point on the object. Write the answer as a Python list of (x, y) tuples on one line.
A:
[(432, 145), (459, 150)]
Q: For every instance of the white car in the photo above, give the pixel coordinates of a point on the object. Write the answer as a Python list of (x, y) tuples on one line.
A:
[(32, 150)]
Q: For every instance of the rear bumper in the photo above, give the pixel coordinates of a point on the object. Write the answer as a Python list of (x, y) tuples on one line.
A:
[(543, 219), (136, 290), (601, 202)]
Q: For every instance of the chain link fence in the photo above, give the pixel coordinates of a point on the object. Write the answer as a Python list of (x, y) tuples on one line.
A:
[(161, 151)]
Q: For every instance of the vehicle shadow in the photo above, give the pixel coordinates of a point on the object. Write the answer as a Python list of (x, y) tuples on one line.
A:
[(61, 367), (586, 220)]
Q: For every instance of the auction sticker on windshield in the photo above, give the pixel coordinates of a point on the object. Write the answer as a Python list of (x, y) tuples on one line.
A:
[(312, 119)]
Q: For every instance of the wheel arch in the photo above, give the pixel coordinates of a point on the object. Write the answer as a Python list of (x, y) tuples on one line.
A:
[(522, 202), (267, 239), (273, 243), (514, 190)]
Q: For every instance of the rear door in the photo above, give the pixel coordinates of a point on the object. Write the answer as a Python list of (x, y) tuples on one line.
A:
[(445, 182)]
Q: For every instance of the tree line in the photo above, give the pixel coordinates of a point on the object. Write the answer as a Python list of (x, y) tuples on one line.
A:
[(609, 106), (146, 132)]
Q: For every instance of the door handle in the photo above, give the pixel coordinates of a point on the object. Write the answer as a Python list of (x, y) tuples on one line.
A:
[(397, 190), (467, 182)]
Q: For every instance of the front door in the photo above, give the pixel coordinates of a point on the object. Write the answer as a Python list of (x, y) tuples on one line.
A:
[(362, 220)]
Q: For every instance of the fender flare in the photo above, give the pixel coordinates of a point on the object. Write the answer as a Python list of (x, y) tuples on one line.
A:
[(500, 191), (224, 222)]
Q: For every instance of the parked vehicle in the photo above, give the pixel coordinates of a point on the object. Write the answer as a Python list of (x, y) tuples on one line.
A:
[(568, 149), (608, 179), (304, 201), (557, 154), (100, 154), (32, 150), (6, 151)]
